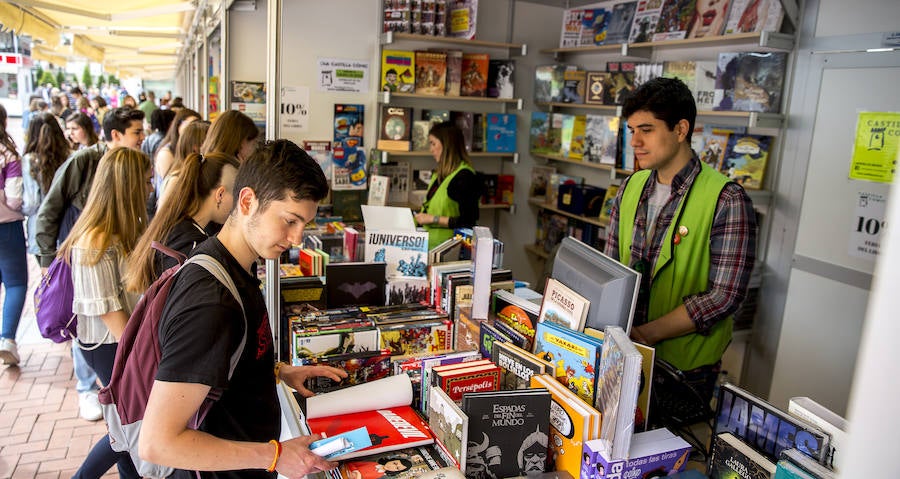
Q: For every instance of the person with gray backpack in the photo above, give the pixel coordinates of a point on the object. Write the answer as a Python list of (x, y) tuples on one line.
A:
[(203, 324)]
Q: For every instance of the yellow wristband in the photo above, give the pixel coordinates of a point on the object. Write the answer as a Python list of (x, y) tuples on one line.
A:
[(277, 455)]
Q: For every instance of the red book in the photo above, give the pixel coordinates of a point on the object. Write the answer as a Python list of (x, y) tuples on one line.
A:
[(457, 382), (390, 429), (474, 74)]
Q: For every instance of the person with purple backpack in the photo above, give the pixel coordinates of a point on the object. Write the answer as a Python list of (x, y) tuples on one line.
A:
[(276, 193)]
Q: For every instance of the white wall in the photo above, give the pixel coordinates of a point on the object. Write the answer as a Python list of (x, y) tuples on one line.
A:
[(246, 47)]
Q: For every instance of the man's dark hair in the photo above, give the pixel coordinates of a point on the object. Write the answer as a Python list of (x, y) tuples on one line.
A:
[(120, 119), (161, 119), (76, 91), (279, 168), (668, 99)]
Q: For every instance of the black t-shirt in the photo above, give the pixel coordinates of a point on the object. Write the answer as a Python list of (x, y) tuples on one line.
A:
[(184, 237), (199, 330)]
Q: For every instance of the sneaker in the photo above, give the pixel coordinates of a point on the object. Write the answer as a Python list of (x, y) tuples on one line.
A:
[(9, 353), (89, 406)]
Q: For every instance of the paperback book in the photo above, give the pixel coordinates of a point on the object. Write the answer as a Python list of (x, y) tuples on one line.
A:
[(540, 180), (618, 377), (405, 463), (709, 19), (500, 78), (398, 71), (750, 81), (500, 133), (517, 365), (754, 16), (675, 20), (601, 142), (646, 18), (745, 159), (431, 72), (450, 426), (732, 458), (572, 423), (620, 22), (474, 74), (396, 128), (405, 252)]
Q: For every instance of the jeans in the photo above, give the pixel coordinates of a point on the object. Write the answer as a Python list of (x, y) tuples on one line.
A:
[(13, 275), (85, 376), (102, 457)]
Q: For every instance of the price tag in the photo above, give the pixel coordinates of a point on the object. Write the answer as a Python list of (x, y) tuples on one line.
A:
[(294, 110), (868, 224)]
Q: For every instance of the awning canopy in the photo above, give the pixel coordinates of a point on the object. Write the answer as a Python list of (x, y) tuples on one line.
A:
[(126, 36)]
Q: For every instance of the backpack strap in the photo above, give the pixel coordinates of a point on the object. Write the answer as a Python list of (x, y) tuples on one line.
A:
[(177, 255), (218, 271)]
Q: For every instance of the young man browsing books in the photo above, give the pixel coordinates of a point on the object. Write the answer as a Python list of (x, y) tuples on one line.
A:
[(687, 229), (276, 193)]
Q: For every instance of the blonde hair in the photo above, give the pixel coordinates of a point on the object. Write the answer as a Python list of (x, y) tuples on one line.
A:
[(228, 132), (116, 208)]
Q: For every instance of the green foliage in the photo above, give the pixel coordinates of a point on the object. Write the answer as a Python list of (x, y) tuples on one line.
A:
[(100, 80), (48, 77), (60, 78), (112, 80), (87, 80), (38, 74)]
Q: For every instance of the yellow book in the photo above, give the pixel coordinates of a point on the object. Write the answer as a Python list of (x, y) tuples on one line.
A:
[(571, 424), (398, 71)]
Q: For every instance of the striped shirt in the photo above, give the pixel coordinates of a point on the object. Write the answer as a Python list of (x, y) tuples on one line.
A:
[(98, 290), (732, 246)]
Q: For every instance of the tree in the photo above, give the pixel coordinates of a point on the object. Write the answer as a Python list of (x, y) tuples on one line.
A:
[(86, 80), (48, 77), (60, 78), (38, 74), (100, 80), (112, 80)]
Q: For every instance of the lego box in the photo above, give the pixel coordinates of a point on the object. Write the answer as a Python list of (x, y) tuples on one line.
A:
[(651, 452)]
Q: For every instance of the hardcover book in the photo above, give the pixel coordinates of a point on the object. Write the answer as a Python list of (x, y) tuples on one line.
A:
[(517, 365), (431, 72), (404, 252), (540, 180), (620, 22), (745, 159), (648, 355), (404, 463), (750, 81), (593, 26), (423, 369), (764, 427), (574, 83), (558, 81), (420, 130), (488, 335), (577, 143), (378, 186), (465, 121), (826, 420), (348, 123), (398, 175), (574, 355), (601, 140), (563, 306), (518, 313), (646, 18), (508, 432), (618, 377), (715, 144), (500, 78), (540, 139), (463, 15), (450, 426), (435, 116), (361, 367), (609, 200), (414, 337), (571, 28), (454, 72), (683, 70), (403, 290), (599, 89), (471, 378), (705, 92), (623, 81), (505, 189), (754, 16), (355, 284), (572, 423), (474, 74), (330, 340), (396, 128), (732, 458), (543, 81), (675, 20), (320, 150), (709, 19), (398, 71)]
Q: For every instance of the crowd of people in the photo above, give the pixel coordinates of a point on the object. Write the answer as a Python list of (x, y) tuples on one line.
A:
[(94, 198)]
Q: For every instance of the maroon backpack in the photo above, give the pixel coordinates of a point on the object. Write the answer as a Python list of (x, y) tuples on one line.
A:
[(137, 359)]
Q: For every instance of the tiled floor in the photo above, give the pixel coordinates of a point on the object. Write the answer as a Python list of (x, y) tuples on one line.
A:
[(41, 435)]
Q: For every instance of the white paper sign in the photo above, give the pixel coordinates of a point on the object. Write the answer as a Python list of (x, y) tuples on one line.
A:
[(868, 223), (337, 74), (294, 112)]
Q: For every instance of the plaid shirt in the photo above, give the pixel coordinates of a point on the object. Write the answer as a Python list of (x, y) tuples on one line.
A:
[(732, 247)]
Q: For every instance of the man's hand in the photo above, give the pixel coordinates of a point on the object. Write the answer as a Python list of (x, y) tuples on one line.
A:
[(296, 376), (297, 460)]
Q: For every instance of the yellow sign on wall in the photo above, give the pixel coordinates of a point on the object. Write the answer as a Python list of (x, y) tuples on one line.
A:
[(876, 147)]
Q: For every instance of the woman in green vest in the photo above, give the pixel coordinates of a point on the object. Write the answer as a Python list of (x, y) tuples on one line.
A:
[(452, 198)]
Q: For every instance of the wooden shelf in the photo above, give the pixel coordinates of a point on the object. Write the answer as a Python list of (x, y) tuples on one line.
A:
[(596, 166), (586, 219), (494, 206), (388, 38), (749, 119), (611, 109), (387, 96), (387, 154), (537, 251)]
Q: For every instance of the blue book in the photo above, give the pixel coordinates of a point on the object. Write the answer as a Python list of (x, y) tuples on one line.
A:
[(340, 444), (500, 133), (574, 355)]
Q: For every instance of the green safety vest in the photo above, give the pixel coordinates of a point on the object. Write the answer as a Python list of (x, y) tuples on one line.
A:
[(681, 270), (442, 205)]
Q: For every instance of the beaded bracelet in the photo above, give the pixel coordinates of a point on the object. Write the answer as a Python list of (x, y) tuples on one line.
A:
[(277, 455)]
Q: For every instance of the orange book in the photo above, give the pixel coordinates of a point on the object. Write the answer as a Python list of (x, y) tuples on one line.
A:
[(474, 74), (431, 73)]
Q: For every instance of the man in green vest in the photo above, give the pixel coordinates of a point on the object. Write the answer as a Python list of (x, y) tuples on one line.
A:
[(689, 231)]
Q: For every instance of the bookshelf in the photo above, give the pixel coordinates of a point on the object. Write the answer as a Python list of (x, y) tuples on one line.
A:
[(389, 38), (537, 251), (582, 218), (386, 155)]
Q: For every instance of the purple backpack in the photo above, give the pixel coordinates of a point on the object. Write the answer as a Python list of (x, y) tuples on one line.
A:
[(137, 359), (53, 303)]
